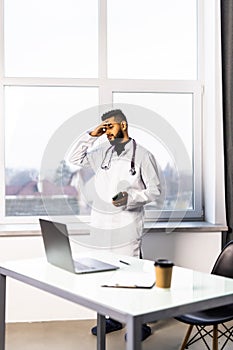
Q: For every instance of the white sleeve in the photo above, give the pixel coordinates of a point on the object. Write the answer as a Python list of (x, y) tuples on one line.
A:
[(79, 154), (150, 178)]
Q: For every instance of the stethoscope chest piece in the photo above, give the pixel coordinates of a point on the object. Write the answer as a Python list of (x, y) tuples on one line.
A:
[(132, 171)]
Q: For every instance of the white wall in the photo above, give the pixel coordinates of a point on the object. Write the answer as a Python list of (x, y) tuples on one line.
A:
[(186, 249), (26, 304)]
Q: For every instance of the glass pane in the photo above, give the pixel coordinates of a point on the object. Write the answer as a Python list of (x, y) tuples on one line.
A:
[(33, 116), (152, 39), (169, 136), (51, 38)]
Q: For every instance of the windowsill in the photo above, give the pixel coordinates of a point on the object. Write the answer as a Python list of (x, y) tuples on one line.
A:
[(185, 226), (33, 229), (15, 230)]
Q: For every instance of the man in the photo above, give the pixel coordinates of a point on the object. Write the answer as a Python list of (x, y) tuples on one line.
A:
[(125, 179)]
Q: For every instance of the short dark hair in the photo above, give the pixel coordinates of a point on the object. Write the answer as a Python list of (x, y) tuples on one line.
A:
[(116, 113)]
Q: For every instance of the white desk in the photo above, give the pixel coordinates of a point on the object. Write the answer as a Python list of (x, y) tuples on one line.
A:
[(190, 291)]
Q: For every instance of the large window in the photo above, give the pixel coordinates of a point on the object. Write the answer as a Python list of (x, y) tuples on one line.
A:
[(61, 58)]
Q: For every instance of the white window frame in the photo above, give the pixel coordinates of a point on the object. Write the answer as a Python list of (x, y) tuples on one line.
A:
[(106, 88)]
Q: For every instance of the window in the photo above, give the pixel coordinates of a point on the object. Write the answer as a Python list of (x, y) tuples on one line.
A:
[(75, 58), (159, 41), (49, 38)]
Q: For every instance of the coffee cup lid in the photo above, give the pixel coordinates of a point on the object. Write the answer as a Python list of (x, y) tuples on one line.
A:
[(163, 263)]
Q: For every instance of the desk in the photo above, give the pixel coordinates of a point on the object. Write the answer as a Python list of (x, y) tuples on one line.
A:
[(190, 291)]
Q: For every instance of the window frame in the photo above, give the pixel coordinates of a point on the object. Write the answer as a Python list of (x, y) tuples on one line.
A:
[(106, 88)]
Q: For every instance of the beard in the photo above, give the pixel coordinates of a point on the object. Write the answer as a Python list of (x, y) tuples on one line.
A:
[(118, 138)]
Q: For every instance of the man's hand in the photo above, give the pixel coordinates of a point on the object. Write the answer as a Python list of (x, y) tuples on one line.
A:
[(99, 130), (120, 199)]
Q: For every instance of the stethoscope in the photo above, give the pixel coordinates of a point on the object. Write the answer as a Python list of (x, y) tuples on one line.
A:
[(106, 163)]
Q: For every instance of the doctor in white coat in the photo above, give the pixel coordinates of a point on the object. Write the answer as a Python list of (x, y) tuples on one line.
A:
[(126, 178)]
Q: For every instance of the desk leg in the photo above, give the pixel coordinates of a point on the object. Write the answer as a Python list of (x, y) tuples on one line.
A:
[(2, 310), (101, 325), (134, 330)]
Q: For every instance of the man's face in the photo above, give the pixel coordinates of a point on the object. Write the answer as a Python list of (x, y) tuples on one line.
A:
[(114, 132)]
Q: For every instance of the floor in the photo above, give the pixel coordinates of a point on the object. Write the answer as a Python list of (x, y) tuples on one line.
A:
[(75, 335)]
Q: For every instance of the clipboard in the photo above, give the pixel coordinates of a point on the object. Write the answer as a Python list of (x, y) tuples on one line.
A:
[(132, 280), (128, 286)]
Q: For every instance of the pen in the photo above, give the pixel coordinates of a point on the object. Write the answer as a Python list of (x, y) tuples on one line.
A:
[(124, 262)]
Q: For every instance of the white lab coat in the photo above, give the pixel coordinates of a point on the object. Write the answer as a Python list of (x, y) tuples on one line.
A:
[(117, 227)]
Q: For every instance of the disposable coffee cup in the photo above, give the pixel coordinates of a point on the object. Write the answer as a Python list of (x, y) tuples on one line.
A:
[(163, 273)]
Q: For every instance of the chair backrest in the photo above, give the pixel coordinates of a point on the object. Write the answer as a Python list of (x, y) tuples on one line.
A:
[(224, 263)]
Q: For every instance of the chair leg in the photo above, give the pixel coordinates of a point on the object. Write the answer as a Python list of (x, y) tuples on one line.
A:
[(189, 331), (215, 337)]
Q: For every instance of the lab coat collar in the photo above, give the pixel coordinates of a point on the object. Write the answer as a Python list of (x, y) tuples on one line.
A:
[(120, 147), (109, 153)]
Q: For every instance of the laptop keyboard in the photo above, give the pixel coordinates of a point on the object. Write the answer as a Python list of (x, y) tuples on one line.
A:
[(81, 267)]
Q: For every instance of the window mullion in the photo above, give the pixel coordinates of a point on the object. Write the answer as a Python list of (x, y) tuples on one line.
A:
[(134, 85), (102, 55), (104, 94), (43, 81), (200, 40)]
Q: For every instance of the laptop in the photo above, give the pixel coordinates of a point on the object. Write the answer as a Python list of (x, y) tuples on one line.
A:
[(58, 250)]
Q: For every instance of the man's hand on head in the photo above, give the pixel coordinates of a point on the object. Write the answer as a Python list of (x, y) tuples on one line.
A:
[(120, 199), (99, 130)]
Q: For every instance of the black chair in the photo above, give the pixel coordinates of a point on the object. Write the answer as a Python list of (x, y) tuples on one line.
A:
[(212, 317)]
